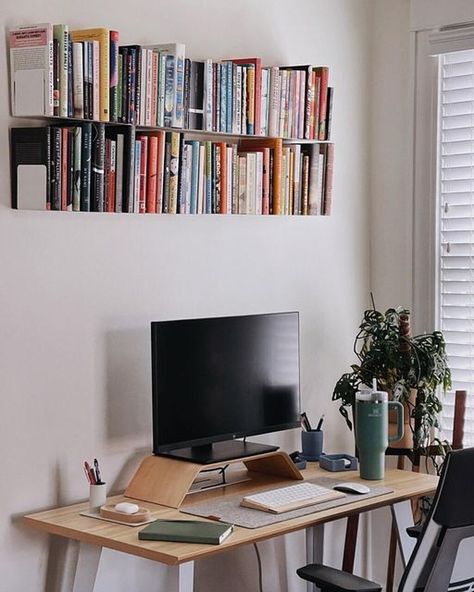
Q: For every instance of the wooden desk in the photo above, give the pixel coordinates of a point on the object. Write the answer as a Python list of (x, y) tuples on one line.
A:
[(96, 534)]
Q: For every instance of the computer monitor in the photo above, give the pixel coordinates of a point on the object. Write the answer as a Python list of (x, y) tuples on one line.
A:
[(218, 379)]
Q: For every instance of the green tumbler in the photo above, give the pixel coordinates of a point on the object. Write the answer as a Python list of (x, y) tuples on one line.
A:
[(371, 431)]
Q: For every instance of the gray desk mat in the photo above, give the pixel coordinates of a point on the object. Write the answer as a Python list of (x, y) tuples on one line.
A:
[(230, 510)]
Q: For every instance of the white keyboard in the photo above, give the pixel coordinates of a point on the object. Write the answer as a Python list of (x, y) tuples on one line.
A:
[(289, 498)]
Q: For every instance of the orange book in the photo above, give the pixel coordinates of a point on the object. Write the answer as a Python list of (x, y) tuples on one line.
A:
[(276, 146), (152, 174)]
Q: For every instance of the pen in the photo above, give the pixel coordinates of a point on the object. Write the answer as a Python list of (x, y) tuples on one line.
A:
[(305, 420), (97, 472), (91, 473), (320, 423), (88, 477)]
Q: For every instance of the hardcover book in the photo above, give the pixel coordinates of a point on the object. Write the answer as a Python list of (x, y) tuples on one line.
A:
[(186, 531)]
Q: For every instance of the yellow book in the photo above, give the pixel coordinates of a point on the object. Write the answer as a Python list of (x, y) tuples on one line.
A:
[(291, 188), (174, 167), (251, 100), (103, 37)]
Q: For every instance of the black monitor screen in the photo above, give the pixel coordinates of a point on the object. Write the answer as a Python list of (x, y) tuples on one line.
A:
[(221, 378)]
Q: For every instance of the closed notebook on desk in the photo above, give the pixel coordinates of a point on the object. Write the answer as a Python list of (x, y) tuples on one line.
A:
[(186, 531)]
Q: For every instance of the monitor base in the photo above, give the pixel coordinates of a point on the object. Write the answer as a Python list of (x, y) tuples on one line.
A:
[(219, 451)]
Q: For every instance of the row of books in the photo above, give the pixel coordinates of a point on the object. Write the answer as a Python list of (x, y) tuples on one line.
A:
[(113, 168), (86, 74)]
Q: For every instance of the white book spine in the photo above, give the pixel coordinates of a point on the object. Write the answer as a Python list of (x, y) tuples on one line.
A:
[(274, 103), (281, 124), (243, 125), (296, 106), (78, 80), (143, 75), (208, 95), (31, 70), (161, 89), (259, 183), (313, 181), (302, 105), (251, 182), (264, 103), (296, 149), (95, 80), (119, 174), (241, 202), (229, 179), (238, 92), (290, 99)]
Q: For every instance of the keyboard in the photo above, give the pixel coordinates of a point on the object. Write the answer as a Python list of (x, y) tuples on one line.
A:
[(289, 498)]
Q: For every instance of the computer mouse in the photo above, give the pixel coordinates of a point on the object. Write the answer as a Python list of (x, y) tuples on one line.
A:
[(127, 508), (347, 487)]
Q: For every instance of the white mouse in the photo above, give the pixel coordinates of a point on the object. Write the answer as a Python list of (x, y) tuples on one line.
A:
[(352, 488), (127, 508)]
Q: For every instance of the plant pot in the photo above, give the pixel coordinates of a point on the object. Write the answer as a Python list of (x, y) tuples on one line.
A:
[(407, 440)]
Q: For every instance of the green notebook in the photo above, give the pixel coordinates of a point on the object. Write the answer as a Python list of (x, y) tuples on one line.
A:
[(186, 531)]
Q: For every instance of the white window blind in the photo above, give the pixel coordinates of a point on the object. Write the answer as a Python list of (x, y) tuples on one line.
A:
[(456, 229)]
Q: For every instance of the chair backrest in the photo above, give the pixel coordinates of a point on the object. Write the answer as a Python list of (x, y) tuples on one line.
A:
[(450, 520)]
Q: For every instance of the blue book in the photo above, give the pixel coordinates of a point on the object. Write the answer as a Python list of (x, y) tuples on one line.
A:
[(169, 92), (194, 175), (136, 186), (223, 85), (230, 79)]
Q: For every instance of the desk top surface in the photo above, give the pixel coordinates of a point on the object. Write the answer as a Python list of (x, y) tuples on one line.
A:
[(67, 522)]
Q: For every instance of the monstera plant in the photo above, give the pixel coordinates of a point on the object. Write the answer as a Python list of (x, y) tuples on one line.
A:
[(403, 365)]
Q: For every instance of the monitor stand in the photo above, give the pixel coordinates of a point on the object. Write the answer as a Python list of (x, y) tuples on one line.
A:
[(219, 451)]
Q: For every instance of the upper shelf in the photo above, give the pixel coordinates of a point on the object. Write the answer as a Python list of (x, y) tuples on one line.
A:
[(200, 133)]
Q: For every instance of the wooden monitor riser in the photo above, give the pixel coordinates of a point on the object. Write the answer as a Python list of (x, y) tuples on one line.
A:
[(166, 481)]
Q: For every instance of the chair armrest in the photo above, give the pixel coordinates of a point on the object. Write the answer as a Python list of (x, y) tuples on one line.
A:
[(335, 580)]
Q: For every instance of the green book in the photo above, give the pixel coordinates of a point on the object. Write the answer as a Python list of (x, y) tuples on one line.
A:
[(186, 531)]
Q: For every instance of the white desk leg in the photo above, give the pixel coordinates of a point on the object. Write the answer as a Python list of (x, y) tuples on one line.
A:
[(86, 568), (181, 578), (314, 548), (403, 518)]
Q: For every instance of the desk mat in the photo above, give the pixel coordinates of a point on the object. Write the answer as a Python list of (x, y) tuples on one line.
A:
[(230, 510)]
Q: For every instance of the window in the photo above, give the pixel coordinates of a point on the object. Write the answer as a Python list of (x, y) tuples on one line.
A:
[(455, 188)]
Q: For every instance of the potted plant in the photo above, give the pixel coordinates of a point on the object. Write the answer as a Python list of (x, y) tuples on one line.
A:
[(410, 368)]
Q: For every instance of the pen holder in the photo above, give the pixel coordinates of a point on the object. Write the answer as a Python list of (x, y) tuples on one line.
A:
[(312, 444), (97, 496)]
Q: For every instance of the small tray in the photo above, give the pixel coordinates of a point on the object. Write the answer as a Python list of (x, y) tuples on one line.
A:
[(143, 515), (335, 462)]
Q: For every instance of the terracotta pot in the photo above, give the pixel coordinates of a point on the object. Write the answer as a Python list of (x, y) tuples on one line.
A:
[(407, 440)]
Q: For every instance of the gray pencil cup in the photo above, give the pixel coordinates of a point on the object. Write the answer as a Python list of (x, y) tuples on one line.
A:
[(312, 444)]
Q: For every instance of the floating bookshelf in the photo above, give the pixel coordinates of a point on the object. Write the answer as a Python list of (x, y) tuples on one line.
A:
[(143, 129)]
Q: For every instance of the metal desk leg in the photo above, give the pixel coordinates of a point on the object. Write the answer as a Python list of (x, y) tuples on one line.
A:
[(86, 568), (314, 548), (403, 518)]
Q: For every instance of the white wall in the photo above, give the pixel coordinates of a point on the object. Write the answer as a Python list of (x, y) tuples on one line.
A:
[(77, 292)]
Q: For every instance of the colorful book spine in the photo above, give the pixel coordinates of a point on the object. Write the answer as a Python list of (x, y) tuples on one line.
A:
[(97, 168), (78, 80), (61, 34), (86, 162), (173, 171), (152, 174), (76, 200)]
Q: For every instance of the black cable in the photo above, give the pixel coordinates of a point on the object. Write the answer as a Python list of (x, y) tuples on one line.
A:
[(259, 561)]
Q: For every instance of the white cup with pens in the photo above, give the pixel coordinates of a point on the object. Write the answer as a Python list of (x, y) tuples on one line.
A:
[(97, 487), (311, 439)]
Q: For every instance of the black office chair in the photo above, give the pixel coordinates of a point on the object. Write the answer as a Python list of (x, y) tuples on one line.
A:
[(451, 519)]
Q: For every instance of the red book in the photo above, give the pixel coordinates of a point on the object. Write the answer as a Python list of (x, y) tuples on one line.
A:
[(143, 173), (328, 177), (64, 167), (160, 171), (322, 73), (110, 172), (257, 62), (152, 174)]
